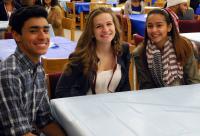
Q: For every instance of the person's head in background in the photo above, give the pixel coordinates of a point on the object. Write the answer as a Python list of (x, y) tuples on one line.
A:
[(50, 3), (178, 6), (159, 26), (30, 30), (135, 3), (10, 6), (27, 2), (102, 30)]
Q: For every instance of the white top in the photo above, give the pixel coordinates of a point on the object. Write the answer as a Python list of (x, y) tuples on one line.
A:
[(104, 77), (48, 8)]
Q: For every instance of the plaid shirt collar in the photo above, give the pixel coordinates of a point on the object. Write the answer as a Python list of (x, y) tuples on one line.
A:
[(25, 60)]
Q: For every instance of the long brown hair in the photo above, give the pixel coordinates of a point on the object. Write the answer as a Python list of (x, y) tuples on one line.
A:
[(85, 51), (183, 48)]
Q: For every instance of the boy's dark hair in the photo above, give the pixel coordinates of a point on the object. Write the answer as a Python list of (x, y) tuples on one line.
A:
[(21, 15)]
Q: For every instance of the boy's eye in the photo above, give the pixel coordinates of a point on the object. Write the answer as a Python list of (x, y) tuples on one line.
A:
[(46, 30), (33, 31)]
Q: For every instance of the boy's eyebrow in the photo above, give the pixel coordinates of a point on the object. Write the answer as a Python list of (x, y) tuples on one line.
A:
[(37, 27)]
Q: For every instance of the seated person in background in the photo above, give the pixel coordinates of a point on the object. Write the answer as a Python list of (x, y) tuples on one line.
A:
[(56, 14), (100, 63), (6, 9), (29, 2), (165, 58), (194, 4), (24, 103), (179, 9), (25, 3), (188, 15), (122, 1), (134, 7)]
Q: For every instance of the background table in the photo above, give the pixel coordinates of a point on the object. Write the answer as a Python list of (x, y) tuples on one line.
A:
[(82, 7), (61, 48), (195, 37), (3, 27), (138, 22), (169, 111)]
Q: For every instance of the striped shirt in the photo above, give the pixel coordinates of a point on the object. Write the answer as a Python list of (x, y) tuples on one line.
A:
[(24, 101)]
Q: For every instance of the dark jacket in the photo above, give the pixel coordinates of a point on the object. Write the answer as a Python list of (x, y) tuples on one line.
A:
[(3, 13), (76, 84), (190, 69)]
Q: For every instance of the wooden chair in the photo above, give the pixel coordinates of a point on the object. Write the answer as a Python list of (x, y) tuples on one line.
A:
[(95, 5), (95, 1), (68, 23), (147, 9), (137, 39), (53, 65), (71, 13), (159, 4), (148, 2), (188, 26), (52, 80), (132, 70), (126, 29)]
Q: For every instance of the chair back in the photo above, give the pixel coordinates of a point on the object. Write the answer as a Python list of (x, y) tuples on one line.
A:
[(71, 13), (52, 80), (188, 26), (137, 39), (126, 29), (99, 1), (53, 65), (95, 5), (71, 10), (68, 23), (148, 2), (159, 4)]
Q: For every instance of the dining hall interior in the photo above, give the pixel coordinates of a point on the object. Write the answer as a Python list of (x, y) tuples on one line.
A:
[(165, 107)]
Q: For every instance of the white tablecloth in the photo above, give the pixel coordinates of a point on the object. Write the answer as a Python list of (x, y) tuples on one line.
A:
[(60, 48), (195, 37), (170, 111), (3, 25)]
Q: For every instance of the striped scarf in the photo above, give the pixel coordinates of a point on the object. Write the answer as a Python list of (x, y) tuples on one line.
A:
[(163, 65)]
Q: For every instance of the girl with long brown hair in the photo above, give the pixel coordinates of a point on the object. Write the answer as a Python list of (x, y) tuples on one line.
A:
[(100, 63)]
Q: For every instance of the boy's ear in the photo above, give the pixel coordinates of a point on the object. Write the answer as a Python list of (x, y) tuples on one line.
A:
[(16, 36)]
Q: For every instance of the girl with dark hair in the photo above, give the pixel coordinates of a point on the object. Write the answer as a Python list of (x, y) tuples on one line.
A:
[(100, 63), (6, 9), (165, 58)]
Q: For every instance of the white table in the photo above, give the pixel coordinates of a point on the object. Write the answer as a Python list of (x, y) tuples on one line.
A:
[(195, 37), (170, 111), (60, 47), (3, 25)]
